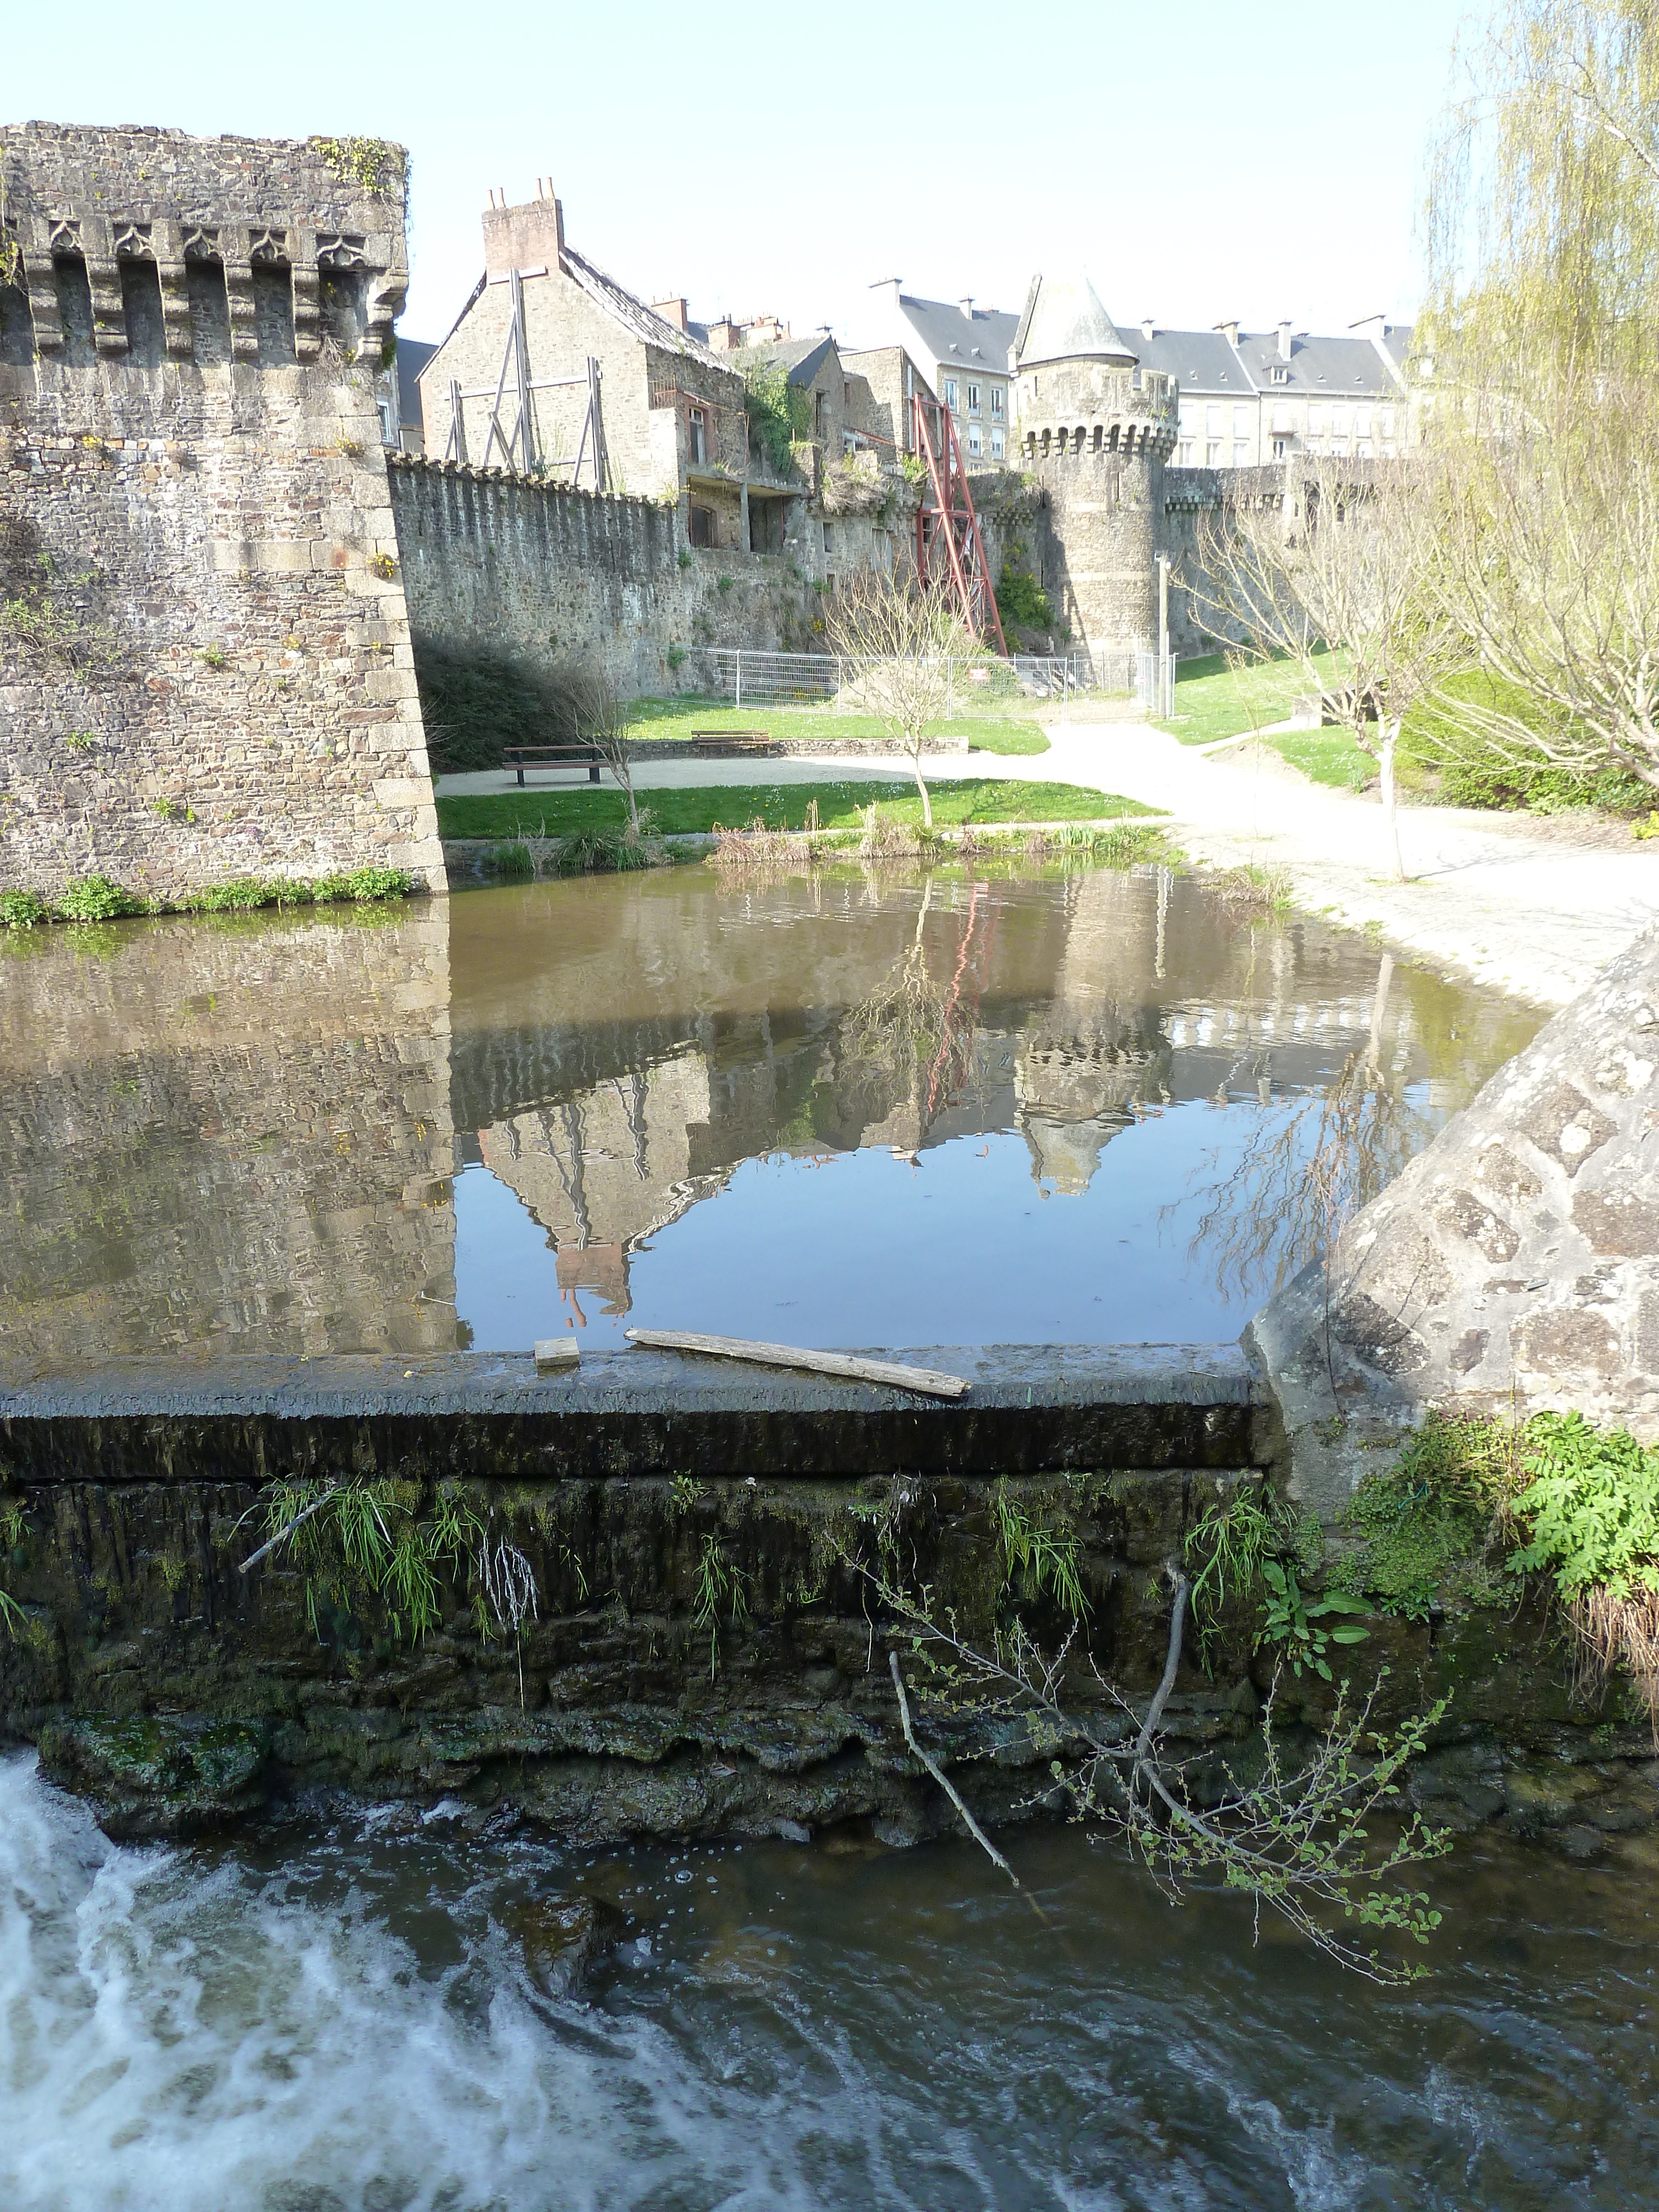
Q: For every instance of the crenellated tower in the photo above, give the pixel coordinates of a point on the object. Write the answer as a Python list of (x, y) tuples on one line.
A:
[(205, 668), (1094, 429)]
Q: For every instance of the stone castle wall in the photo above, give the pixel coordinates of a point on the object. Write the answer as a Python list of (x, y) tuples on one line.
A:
[(541, 574), (205, 669)]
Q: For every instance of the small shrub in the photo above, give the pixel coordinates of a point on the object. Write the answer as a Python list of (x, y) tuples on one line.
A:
[(723, 584), (22, 910), (381, 565), (1022, 602), (213, 656), (362, 885), (684, 558), (676, 654), (95, 898), (79, 741), (513, 860)]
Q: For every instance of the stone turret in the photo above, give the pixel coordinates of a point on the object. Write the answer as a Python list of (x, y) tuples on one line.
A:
[(194, 504), (1095, 430)]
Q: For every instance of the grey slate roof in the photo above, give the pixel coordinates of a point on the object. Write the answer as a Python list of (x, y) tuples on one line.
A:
[(1198, 361), (1322, 369), (633, 315), (412, 358), (1065, 320), (981, 340), (802, 357)]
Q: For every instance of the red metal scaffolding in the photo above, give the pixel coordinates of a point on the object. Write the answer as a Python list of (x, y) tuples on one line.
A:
[(949, 552)]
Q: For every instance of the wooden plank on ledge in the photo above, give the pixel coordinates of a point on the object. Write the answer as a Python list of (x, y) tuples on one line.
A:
[(927, 1380), (553, 1352)]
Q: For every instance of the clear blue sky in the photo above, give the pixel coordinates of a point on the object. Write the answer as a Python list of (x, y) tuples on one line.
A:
[(1200, 160)]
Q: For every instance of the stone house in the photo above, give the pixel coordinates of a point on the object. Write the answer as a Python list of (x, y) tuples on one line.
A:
[(1247, 398), (963, 354), (860, 503), (672, 415)]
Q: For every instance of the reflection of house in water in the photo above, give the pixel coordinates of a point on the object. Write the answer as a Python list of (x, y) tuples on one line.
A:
[(615, 1087), (603, 1170)]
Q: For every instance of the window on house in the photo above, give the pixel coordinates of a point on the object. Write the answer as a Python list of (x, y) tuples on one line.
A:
[(1316, 422), (1365, 449), (996, 445), (700, 526), (1212, 453), (996, 399), (1241, 453), (697, 440), (1281, 421), (972, 399), (1279, 449), (1212, 422), (1385, 422), (1361, 422), (1241, 422), (1339, 421), (1186, 452), (950, 392), (973, 438), (820, 416)]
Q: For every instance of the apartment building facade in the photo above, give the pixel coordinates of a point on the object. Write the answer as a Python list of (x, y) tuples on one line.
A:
[(1252, 398), (961, 352)]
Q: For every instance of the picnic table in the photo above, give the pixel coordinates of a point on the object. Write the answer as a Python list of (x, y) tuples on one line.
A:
[(551, 757)]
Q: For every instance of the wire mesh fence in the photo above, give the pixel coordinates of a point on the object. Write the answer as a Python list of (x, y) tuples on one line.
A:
[(837, 683)]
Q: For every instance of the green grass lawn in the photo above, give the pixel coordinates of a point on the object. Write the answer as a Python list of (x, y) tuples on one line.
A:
[(561, 812), (1213, 701), (1328, 756), (1005, 733)]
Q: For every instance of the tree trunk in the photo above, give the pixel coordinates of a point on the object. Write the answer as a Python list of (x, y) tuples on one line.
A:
[(1388, 732), (927, 803)]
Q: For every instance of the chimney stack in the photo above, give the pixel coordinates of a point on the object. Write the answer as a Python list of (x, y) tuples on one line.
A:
[(530, 236), (672, 311), (967, 308), (1229, 331), (1148, 328), (1284, 341)]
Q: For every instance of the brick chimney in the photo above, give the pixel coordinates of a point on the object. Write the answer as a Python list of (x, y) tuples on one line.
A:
[(530, 236), (1229, 331), (672, 311), (723, 337)]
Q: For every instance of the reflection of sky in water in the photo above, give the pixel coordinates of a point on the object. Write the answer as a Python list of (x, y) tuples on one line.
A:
[(865, 1250)]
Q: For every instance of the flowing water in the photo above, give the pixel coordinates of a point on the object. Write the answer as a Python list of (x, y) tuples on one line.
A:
[(356, 2022), (858, 1110)]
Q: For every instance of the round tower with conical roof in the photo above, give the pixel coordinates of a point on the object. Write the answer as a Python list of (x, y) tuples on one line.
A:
[(1095, 430)]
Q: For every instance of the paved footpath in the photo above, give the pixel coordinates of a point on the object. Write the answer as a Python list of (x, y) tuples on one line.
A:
[(1535, 916)]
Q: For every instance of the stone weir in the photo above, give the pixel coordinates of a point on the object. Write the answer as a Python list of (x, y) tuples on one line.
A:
[(638, 1599)]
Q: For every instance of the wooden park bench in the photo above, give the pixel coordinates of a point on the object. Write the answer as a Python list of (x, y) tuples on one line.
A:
[(729, 744), (523, 757)]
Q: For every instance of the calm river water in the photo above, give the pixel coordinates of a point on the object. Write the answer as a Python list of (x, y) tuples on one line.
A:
[(858, 1111), (354, 2023)]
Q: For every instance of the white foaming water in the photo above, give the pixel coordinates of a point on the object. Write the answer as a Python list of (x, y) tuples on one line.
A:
[(171, 2038)]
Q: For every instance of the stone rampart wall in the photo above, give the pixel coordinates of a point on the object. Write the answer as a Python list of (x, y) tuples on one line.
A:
[(205, 669), (543, 573)]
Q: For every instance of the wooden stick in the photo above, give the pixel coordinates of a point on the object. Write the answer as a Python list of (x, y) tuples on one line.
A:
[(316, 1504), (927, 1380), (942, 1779)]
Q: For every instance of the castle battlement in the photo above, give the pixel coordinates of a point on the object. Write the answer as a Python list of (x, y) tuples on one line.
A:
[(145, 245)]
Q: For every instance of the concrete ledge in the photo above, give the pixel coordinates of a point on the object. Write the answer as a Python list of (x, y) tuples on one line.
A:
[(1030, 1407)]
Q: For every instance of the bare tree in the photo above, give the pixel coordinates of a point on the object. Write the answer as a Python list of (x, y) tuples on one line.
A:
[(1548, 563), (900, 639), (596, 713), (1343, 571)]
